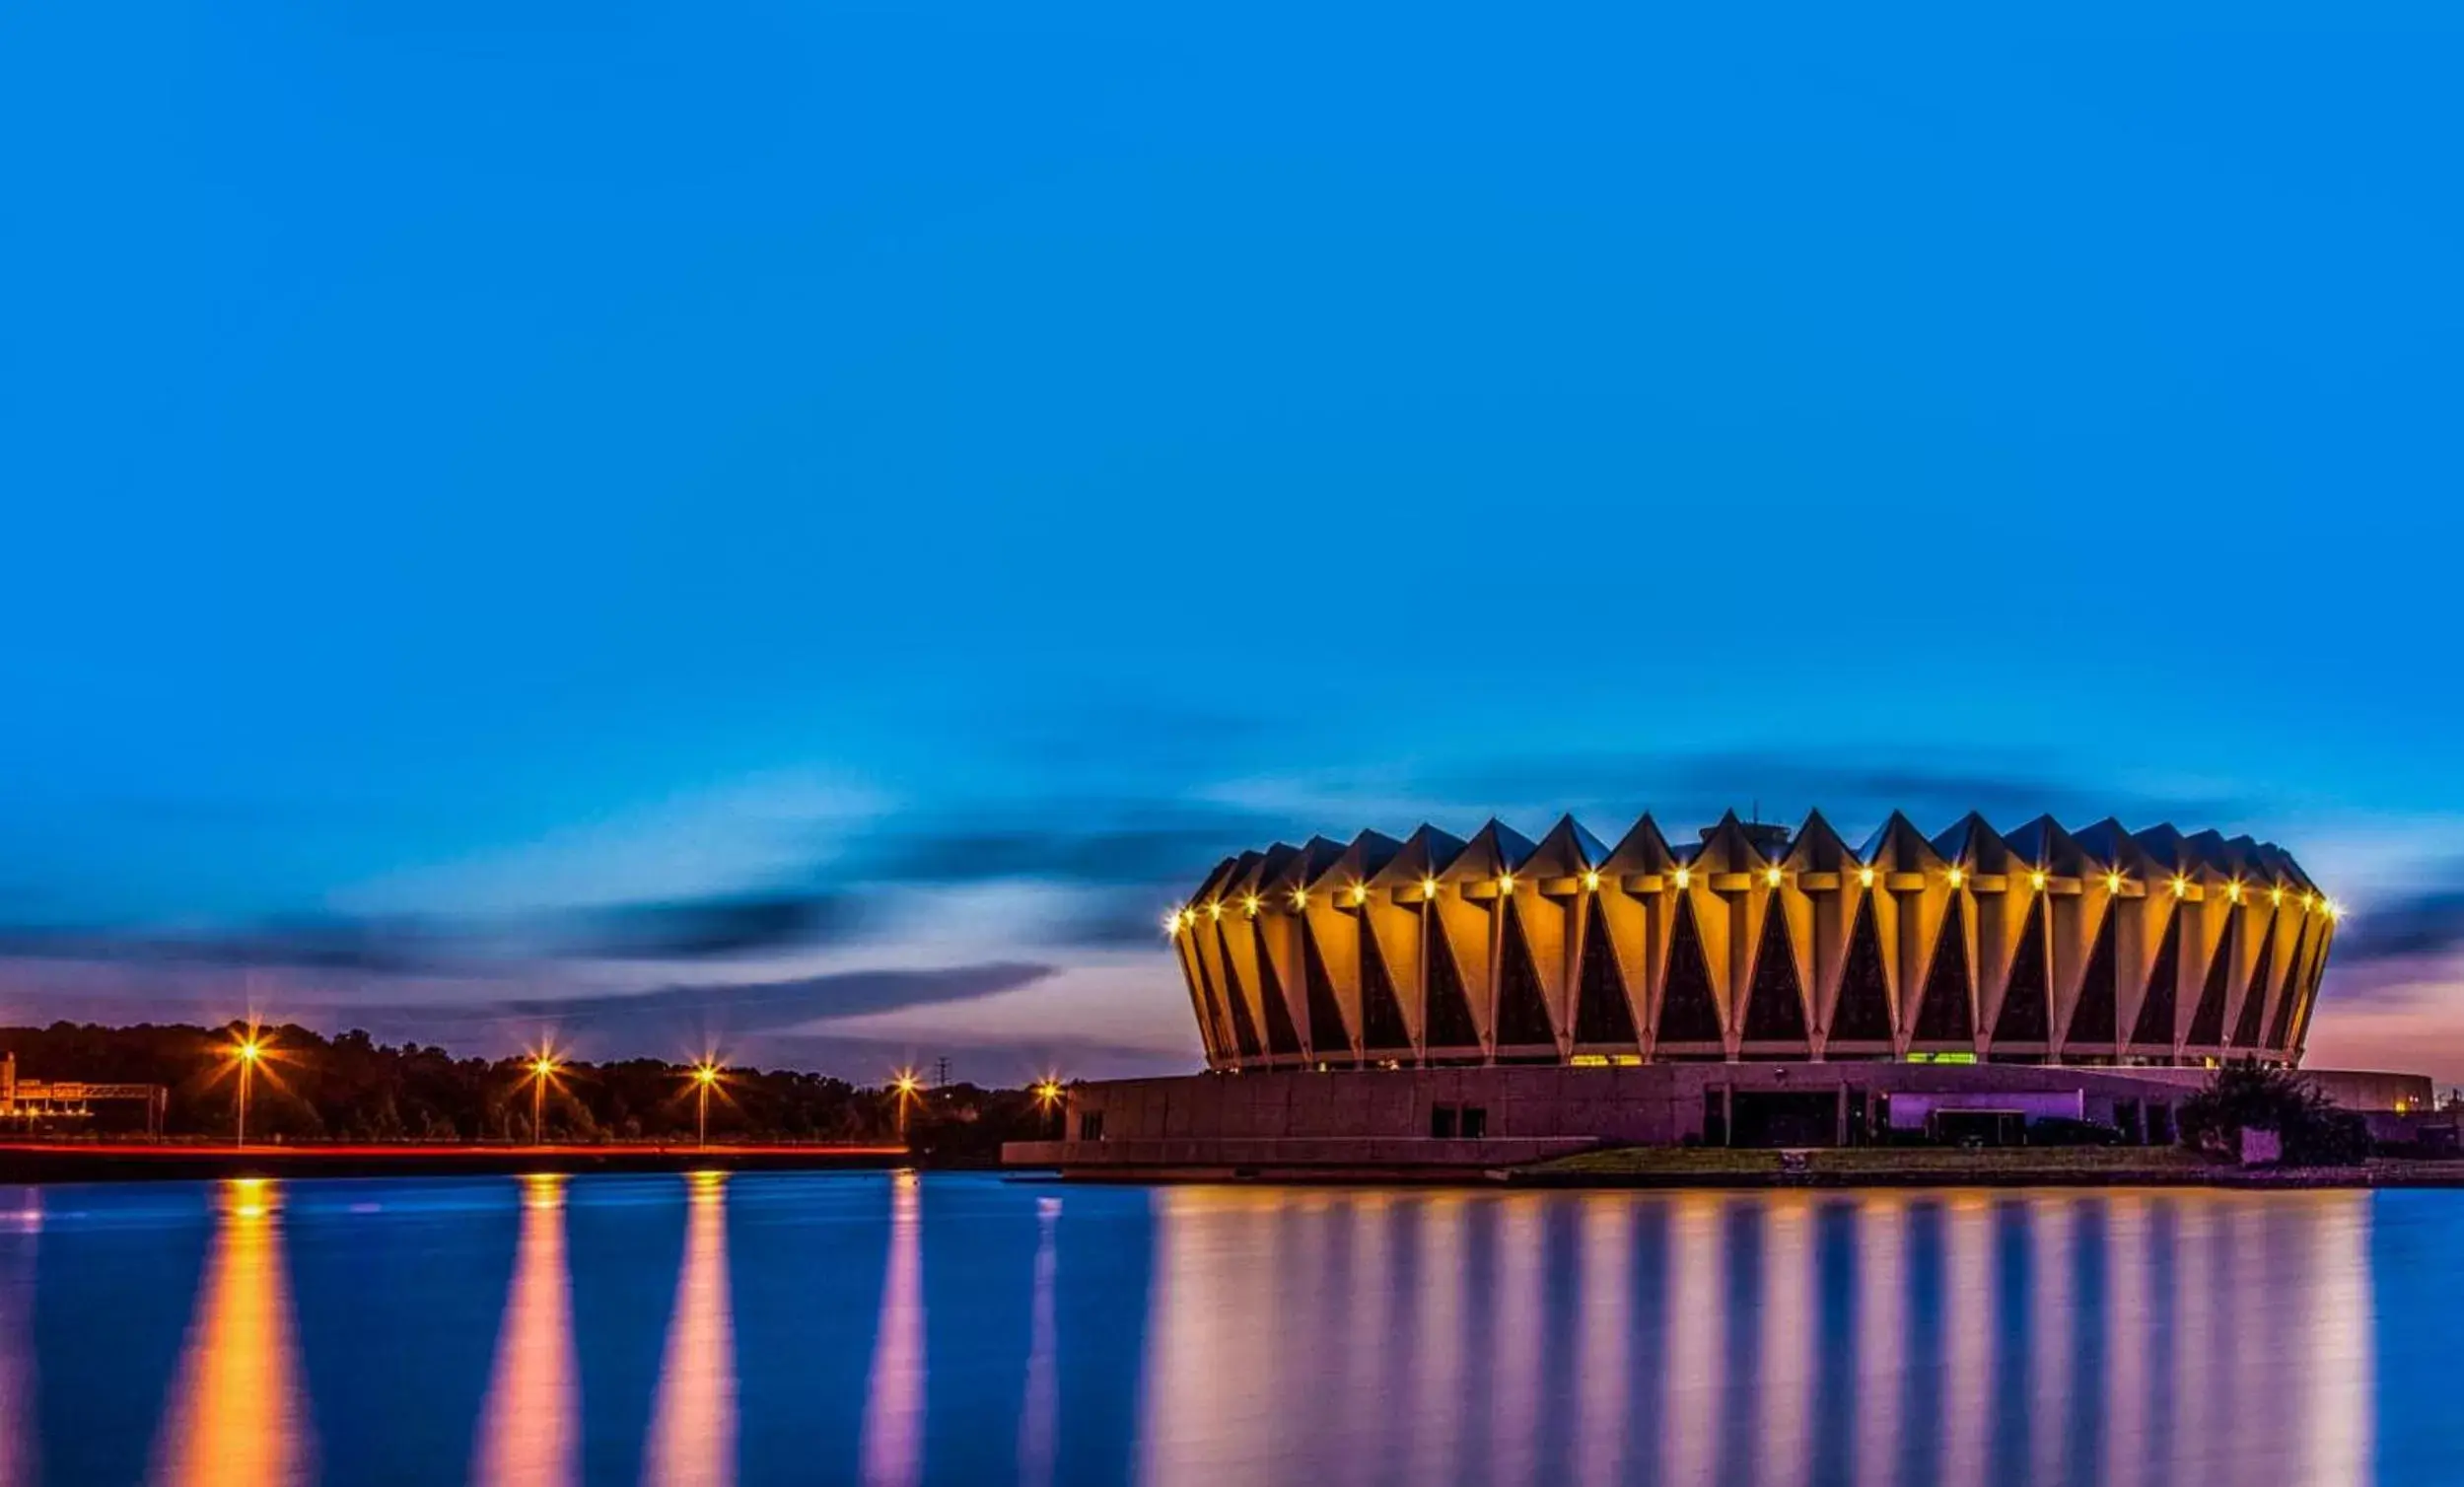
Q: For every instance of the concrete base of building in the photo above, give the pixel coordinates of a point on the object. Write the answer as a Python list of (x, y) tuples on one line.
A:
[(1406, 1121), (1316, 1157)]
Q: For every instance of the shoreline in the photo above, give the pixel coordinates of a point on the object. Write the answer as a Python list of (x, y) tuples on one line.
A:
[(1680, 1170), (43, 1162)]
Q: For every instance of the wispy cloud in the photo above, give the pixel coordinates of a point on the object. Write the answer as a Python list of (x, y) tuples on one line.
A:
[(2406, 927), (722, 925)]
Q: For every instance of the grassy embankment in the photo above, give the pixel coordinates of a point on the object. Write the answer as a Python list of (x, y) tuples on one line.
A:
[(1704, 1166)]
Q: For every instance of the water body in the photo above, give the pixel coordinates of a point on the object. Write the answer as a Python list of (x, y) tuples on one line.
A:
[(880, 1328)]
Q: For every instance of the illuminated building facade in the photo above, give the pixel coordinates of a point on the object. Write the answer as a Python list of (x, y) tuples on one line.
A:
[(27, 1101), (1755, 944)]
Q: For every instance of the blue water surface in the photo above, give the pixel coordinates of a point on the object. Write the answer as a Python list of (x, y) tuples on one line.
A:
[(890, 1329)]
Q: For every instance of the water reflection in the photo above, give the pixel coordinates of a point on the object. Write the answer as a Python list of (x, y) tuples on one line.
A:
[(529, 1436), (693, 1424), (892, 1442), (21, 1228), (236, 1414), (1952, 1330), (1239, 1334), (1040, 1412)]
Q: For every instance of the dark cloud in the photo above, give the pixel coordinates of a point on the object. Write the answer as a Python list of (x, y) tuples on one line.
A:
[(1122, 919), (756, 1006), (691, 929), (738, 1020), (370, 947), (678, 929), (1096, 844), (2419, 926)]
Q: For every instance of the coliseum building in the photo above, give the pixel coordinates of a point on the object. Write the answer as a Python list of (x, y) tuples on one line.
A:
[(1437, 1001), (2042, 947)]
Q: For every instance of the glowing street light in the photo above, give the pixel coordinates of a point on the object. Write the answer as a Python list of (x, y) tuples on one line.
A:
[(543, 1069), (705, 1075), (906, 1083), (1048, 1097), (249, 1051)]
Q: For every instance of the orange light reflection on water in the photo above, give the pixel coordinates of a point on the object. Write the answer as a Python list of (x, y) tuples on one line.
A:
[(692, 1441), (237, 1413), (528, 1433)]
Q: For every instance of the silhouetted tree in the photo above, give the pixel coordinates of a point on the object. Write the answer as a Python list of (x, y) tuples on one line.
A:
[(351, 1087), (2314, 1130)]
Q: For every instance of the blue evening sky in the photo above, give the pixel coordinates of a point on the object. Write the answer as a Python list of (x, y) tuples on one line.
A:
[(806, 526)]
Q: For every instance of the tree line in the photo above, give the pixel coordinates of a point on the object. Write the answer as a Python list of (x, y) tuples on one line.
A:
[(350, 1088)]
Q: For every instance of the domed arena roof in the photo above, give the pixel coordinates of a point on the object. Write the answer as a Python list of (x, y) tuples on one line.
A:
[(1751, 942)]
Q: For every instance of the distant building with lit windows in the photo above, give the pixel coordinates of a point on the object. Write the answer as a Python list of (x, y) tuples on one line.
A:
[(1440, 1001)]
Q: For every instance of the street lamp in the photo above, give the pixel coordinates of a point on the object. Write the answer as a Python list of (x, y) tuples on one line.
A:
[(906, 1086), (705, 1074), (1048, 1097), (248, 1050), (543, 1069)]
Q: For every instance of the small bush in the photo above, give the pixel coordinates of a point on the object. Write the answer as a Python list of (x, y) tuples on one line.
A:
[(2315, 1131)]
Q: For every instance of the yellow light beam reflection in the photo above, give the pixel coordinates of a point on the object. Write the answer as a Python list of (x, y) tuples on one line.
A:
[(20, 1232), (2130, 1340), (1040, 1412), (2199, 1377), (1206, 1357), (1370, 1375), (1605, 1341), (2053, 1362), (1881, 1335), (1515, 1364), (237, 1415), (893, 1400), (692, 1436), (1442, 1360), (530, 1426), (1697, 1332), (1790, 1324), (1969, 1321), (2339, 1366)]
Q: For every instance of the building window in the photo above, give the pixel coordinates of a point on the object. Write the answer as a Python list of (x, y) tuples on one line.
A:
[(1441, 1122), (1091, 1126), (1475, 1122)]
